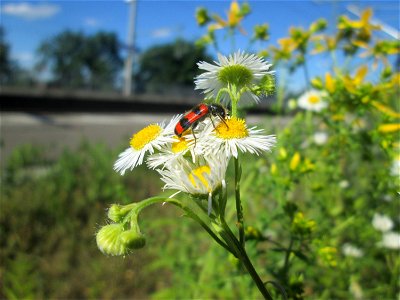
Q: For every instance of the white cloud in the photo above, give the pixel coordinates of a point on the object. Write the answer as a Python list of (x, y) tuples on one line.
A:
[(162, 32), (29, 11), (91, 22)]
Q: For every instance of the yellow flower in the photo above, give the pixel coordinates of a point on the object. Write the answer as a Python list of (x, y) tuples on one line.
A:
[(386, 110), (295, 161), (234, 16), (386, 128), (329, 83)]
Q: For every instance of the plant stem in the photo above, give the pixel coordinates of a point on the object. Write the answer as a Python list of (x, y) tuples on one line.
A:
[(242, 255), (287, 256), (239, 208), (306, 75)]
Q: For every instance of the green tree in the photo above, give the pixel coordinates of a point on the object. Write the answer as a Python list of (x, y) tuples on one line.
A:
[(6, 65), (169, 65), (80, 61)]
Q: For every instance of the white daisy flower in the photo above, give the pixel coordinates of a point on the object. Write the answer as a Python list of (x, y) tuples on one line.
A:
[(312, 100), (351, 250), (145, 141), (240, 69), (200, 178), (391, 240), (395, 168), (234, 136), (320, 137), (169, 153), (382, 222)]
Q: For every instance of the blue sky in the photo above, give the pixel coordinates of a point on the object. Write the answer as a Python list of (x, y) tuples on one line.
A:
[(27, 23)]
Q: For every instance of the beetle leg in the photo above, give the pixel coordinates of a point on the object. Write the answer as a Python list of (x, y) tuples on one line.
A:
[(222, 119)]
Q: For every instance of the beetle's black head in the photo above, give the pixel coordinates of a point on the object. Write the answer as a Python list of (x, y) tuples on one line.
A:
[(217, 110)]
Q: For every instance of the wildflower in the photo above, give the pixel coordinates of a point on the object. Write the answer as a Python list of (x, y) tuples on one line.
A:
[(234, 136), (241, 70), (312, 100), (395, 169), (344, 184), (234, 16), (382, 222), (351, 250), (294, 162), (198, 179), (146, 140), (169, 153), (386, 128), (320, 137), (391, 240)]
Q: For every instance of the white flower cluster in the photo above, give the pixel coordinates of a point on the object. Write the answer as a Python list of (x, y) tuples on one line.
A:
[(193, 159), (383, 223)]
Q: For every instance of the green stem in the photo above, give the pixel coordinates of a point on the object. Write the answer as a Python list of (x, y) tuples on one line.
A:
[(287, 256), (219, 95), (306, 75), (137, 207), (239, 208), (242, 255)]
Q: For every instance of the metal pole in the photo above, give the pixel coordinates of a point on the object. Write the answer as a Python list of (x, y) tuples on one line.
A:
[(128, 84)]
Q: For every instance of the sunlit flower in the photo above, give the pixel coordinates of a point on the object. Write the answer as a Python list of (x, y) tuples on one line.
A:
[(145, 141), (233, 135), (197, 178), (391, 240), (202, 177), (382, 222), (240, 69), (312, 100), (169, 153), (351, 250), (320, 137)]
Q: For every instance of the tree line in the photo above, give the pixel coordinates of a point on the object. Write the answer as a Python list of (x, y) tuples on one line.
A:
[(74, 60)]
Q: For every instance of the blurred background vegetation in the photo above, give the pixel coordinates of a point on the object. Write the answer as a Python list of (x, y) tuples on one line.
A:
[(310, 206)]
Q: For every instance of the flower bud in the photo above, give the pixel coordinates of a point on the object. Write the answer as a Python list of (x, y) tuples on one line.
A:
[(133, 239), (115, 213), (109, 240), (114, 240), (202, 17), (267, 84)]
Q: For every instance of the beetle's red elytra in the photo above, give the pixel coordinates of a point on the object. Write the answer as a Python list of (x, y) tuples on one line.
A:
[(197, 114)]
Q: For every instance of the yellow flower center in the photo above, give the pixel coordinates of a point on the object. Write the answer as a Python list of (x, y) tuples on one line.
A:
[(313, 99), (180, 145), (233, 129), (145, 136), (199, 173)]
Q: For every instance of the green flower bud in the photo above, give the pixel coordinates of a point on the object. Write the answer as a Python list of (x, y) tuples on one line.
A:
[(202, 17), (114, 240), (109, 240), (267, 84), (261, 32), (245, 9), (318, 25), (115, 213), (133, 239), (292, 104), (252, 233)]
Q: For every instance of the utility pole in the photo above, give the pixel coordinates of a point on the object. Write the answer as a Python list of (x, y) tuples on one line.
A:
[(128, 84)]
